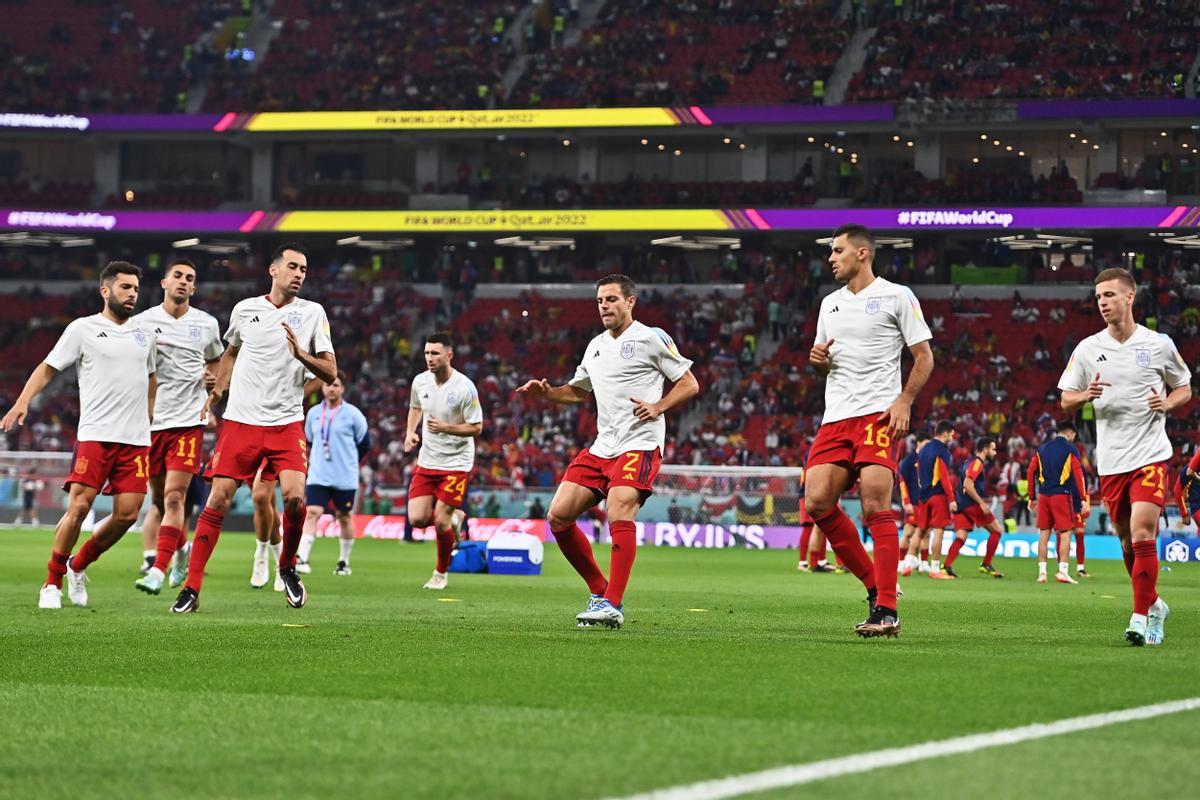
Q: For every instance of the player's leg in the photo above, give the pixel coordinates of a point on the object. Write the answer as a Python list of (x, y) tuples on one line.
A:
[(1081, 551), (168, 492), (960, 538), (818, 551), (291, 485), (1043, 553), (208, 532), (935, 551), (126, 507), (1064, 557), (806, 530), (316, 499), (995, 533), (266, 521), (823, 487), (875, 488), (150, 527), (1143, 532), (345, 520), (571, 501), (916, 545), (79, 502), (445, 532)]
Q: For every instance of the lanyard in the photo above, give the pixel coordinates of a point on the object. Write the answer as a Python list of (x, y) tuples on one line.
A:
[(326, 430)]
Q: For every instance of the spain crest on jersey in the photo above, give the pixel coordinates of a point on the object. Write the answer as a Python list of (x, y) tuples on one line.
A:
[(627, 350), (1142, 356), (294, 319), (140, 338), (194, 333)]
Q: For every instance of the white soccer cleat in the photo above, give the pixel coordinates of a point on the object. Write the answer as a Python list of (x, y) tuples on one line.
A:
[(1155, 621), (303, 567), (50, 597), (261, 573), (1135, 634), (1041, 578), (342, 569), (923, 567), (151, 582), (601, 612), (278, 582), (437, 581), (77, 586), (1063, 577), (179, 567)]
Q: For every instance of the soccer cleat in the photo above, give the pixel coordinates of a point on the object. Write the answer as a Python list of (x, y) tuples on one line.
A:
[(77, 586), (602, 613), (1155, 620), (988, 569), (147, 564), (261, 572), (943, 575), (923, 566), (278, 581), (1135, 634), (293, 588), (151, 582), (906, 570), (828, 568), (949, 570), (881, 622), (802, 566), (593, 603), (1041, 578), (50, 597), (840, 569), (179, 566), (188, 601), (303, 567), (342, 568), (437, 581), (1083, 573), (1063, 577)]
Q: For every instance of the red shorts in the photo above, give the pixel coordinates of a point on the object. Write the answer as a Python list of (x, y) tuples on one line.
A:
[(242, 448), (972, 517), (1142, 485), (854, 442), (1056, 512), (934, 513), (176, 450), (268, 474), (637, 468), (111, 467), (449, 487)]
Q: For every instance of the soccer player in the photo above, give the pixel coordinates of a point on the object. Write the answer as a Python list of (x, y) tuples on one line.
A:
[(272, 340), (1133, 377), (188, 345), (813, 544), (1082, 505), (938, 503), (625, 367), (1055, 479), (1188, 497), (115, 363), (337, 439), (862, 330), (910, 493), (30, 486), (448, 403), (267, 539), (973, 511)]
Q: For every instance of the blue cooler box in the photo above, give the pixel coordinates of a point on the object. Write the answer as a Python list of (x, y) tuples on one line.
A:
[(515, 554)]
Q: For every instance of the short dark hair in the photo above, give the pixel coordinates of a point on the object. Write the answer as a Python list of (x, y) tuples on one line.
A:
[(181, 261), (1066, 426), (922, 436), (442, 338), (115, 268), (277, 254), (945, 426), (861, 234), (341, 376), (628, 287), (983, 443), (1117, 274)]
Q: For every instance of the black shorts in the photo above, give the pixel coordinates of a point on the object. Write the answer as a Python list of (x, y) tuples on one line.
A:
[(322, 496)]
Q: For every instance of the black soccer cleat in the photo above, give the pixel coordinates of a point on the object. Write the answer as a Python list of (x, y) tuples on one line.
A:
[(882, 622), (187, 602), (293, 588), (946, 568)]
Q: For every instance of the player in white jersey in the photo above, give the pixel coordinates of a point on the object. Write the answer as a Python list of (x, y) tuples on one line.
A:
[(115, 363), (273, 340), (448, 403), (625, 368), (1133, 377), (862, 330), (188, 343)]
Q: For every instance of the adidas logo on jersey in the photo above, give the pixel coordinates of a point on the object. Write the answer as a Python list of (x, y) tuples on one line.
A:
[(101, 335), (833, 310), (254, 318), (596, 354), (1101, 358), (158, 330)]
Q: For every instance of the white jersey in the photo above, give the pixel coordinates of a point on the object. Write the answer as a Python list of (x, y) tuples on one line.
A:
[(114, 364), (184, 346), (870, 331), (457, 402), (1128, 434), (267, 386), (619, 370)]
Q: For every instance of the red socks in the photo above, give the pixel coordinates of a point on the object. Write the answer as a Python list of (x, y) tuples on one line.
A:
[(1144, 576), (87, 555), (842, 535), (170, 539), (293, 529), (576, 548), (1080, 549), (1128, 556), (445, 547), (208, 530), (805, 536), (882, 526), (992, 543), (925, 553), (955, 546), (56, 568), (624, 550)]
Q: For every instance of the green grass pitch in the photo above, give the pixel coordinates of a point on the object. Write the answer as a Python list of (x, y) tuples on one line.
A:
[(729, 662)]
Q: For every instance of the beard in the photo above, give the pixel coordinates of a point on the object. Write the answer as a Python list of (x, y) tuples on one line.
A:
[(118, 309)]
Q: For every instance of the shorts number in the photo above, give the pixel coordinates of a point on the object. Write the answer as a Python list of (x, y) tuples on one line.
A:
[(1154, 477), (631, 464), (455, 486), (876, 437), (184, 450), (304, 452), (143, 465)]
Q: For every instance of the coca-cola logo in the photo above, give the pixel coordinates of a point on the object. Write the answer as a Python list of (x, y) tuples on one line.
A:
[(484, 529)]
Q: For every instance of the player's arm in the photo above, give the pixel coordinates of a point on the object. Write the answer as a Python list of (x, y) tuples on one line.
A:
[(39, 379), (684, 389), (1074, 400), (948, 484), (905, 499), (455, 429), (151, 393), (1077, 475), (323, 364), (970, 491), (411, 437), (210, 373), (564, 395), (224, 375), (900, 412), (1031, 479), (1179, 396), (1194, 465)]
